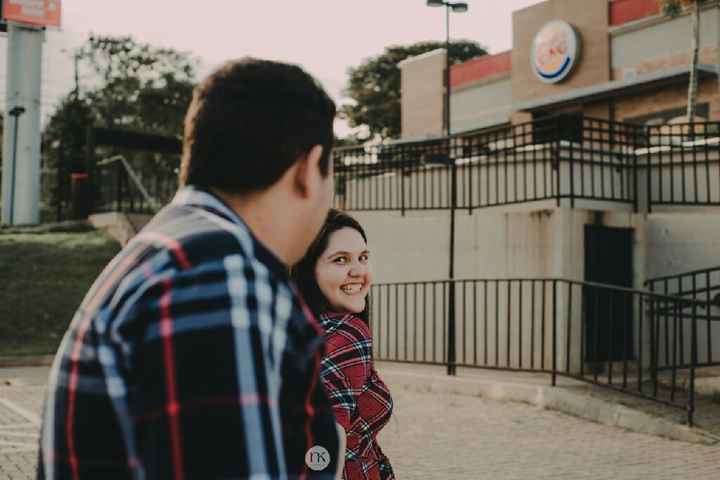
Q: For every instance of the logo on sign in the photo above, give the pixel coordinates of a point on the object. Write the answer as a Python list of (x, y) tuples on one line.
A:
[(555, 51), (317, 458)]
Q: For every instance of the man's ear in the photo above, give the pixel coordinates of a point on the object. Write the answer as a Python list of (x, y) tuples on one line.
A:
[(308, 177)]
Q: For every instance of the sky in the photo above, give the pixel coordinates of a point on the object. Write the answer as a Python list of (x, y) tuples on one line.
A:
[(326, 37)]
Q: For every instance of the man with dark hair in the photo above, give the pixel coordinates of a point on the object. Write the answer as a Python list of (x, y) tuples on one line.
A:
[(192, 356)]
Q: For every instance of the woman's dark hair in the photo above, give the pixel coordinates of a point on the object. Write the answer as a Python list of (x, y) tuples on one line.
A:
[(303, 273)]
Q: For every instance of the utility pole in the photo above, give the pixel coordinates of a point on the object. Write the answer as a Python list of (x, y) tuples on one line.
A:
[(21, 151)]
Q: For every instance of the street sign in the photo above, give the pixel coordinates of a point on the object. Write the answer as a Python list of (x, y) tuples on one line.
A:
[(44, 13)]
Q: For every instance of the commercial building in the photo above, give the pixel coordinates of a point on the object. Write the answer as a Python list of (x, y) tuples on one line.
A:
[(570, 165)]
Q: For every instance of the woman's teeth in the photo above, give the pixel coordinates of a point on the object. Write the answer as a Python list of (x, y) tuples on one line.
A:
[(351, 288)]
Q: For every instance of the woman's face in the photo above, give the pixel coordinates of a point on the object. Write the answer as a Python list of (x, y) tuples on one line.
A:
[(343, 271)]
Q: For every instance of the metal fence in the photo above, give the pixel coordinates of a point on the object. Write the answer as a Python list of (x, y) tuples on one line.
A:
[(683, 164), (555, 158), (605, 335), (126, 189), (563, 158), (700, 286)]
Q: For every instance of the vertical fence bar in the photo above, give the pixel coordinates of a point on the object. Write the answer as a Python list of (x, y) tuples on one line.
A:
[(543, 283), (508, 323), (641, 342), (554, 334), (693, 362), (520, 323), (610, 335), (532, 324)]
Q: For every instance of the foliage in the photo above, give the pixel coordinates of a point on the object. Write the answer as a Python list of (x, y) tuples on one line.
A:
[(673, 8), (131, 85), (374, 85)]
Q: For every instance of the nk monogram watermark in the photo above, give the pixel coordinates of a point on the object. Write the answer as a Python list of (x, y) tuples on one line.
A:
[(317, 458)]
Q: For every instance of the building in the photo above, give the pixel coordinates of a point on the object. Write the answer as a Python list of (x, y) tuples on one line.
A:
[(570, 165), (624, 62)]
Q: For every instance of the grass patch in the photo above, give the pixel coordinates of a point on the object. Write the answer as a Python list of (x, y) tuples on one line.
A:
[(44, 278)]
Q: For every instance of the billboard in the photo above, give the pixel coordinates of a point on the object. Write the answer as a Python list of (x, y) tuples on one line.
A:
[(44, 13)]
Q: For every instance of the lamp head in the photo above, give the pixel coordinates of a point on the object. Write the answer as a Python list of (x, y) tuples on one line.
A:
[(459, 7), (435, 3)]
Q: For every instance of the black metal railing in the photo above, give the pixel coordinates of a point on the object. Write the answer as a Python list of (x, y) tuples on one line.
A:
[(554, 158), (125, 189), (609, 336), (701, 286), (565, 159), (683, 164)]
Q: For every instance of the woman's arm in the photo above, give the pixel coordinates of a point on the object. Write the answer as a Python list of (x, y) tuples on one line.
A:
[(341, 451)]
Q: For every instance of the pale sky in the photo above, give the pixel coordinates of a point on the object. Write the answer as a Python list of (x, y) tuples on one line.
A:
[(324, 36)]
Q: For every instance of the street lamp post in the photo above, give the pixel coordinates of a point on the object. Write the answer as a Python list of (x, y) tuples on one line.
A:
[(15, 112), (458, 7)]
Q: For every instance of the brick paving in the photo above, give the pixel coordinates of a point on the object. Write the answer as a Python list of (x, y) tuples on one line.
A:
[(442, 436)]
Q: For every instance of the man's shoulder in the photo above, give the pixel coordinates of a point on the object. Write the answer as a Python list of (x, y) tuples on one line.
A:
[(194, 235)]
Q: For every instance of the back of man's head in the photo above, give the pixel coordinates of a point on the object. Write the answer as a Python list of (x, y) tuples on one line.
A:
[(250, 121)]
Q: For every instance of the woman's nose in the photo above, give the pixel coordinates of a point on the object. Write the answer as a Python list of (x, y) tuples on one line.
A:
[(357, 270)]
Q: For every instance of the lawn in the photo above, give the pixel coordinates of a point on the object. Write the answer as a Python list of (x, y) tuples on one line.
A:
[(43, 279)]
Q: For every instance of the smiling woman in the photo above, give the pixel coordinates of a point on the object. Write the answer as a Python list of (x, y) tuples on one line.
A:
[(335, 277)]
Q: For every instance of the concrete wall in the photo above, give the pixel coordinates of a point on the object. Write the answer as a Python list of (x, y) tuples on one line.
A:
[(481, 105), (679, 242), (495, 320), (422, 92), (650, 48)]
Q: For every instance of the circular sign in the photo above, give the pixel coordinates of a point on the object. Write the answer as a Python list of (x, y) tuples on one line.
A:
[(317, 458), (555, 50)]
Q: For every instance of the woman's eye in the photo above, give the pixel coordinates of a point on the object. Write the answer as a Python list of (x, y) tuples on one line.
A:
[(364, 258), (340, 260)]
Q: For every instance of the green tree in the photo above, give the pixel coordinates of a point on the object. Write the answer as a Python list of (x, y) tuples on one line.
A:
[(127, 85), (673, 8), (139, 86), (374, 85)]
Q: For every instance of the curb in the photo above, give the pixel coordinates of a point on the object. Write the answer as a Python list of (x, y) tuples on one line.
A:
[(553, 398), (26, 361)]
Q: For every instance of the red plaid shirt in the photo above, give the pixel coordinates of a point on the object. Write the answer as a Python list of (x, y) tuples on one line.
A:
[(360, 400)]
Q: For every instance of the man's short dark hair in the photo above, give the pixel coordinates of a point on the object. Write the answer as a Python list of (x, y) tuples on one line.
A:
[(250, 121)]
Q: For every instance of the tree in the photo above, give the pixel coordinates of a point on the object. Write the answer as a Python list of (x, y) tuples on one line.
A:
[(374, 85), (673, 8), (139, 86), (131, 86)]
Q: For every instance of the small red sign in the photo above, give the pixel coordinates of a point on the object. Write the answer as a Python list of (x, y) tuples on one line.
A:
[(44, 13)]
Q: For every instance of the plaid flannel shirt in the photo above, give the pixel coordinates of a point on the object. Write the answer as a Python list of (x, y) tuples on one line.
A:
[(191, 357), (360, 399)]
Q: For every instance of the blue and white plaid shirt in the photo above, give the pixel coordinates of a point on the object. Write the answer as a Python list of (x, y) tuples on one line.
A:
[(191, 357)]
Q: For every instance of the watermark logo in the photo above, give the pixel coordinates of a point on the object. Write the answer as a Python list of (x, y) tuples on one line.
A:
[(317, 458)]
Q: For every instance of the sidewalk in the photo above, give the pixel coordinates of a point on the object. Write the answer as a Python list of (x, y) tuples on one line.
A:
[(580, 399), (481, 424)]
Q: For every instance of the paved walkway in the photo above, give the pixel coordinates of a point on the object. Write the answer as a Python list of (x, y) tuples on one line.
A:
[(441, 436)]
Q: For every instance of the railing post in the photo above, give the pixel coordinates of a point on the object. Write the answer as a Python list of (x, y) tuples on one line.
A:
[(572, 172), (648, 164), (635, 170), (451, 293), (694, 361), (558, 169), (554, 334), (402, 188)]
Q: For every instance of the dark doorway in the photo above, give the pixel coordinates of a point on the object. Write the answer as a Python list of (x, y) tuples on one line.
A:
[(608, 314)]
